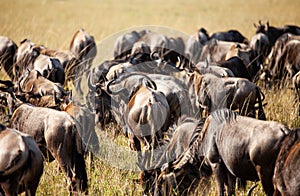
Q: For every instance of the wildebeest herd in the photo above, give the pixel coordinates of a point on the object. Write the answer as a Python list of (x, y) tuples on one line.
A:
[(189, 108)]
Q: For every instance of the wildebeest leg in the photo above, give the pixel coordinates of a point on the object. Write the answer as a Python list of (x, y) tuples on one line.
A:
[(221, 177), (230, 183), (11, 187), (265, 175), (135, 145)]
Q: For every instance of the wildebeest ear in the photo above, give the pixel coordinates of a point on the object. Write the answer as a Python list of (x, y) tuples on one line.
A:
[(38, 74), (35, 51), (149, 83), (206, 63), (255, 25), (24, 40)]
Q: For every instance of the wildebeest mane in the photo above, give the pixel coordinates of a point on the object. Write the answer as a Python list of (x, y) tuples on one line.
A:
[(216, 119), (223, 116)]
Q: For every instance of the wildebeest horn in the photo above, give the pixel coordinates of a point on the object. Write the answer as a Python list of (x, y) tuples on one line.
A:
[(90, 85), (206, 63), (259, 22), (115, 92), (179, 62), (149, 83), (152, 55), (20, 88)]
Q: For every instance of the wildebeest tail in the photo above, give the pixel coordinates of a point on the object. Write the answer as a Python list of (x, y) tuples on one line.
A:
[(261, 113), (79, 162)]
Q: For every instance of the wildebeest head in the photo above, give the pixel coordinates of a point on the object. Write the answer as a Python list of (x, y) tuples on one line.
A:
[(83, 46), (25, 56), (261, 28), (33, 83), (7, 51)]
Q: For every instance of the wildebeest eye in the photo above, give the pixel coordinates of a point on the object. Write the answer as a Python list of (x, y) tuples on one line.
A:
[(45, 73)]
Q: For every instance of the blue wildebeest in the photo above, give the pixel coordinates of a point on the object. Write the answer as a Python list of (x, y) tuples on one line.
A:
[(21, 163), (157, 181), (228, 92), (286, 177), (124, 44), (8, 49), (57, 136), (260, 44), (145, 112), (195, 44), (216, 50), (273, 33), (287, 64), (230, 35), (235, 146)]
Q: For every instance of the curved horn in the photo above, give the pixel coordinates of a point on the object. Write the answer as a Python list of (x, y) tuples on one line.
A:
[(206, 63), (90, 85), (20, 88), (179, 62), (152, 55), (149, 83), (19, 85), (114, 92)]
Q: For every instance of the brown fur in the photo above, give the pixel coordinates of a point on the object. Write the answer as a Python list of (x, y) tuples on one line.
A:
[(57, 137), (21, 162), (286, 177)]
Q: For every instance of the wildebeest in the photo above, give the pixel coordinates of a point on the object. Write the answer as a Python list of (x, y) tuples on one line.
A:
[(157, 181), (8, 49), (50, 68), (83, 46), (85, 123), (29, 56), (205, 67), (260, 44), (124, 44), (21, 163), (195, 44), (24, 57), (286, 177), (278, 49), (288, 63), (228, 92), (176, 94), (33, 83), (274, 33), (141, 109), (237, 66), (57, 136), (147, 115), (235, 146), (296, 84), (230, 35), (216, 50)]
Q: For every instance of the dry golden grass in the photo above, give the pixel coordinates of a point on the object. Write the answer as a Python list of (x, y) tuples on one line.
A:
[(53, 23)]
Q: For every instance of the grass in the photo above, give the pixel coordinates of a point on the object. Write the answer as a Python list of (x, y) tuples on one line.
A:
[(53, 23)]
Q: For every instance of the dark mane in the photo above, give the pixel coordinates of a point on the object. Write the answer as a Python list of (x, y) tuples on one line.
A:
[(197, 131), (224, 115)]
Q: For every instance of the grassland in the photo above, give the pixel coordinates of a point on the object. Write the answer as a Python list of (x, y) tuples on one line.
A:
[(53, 23)]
